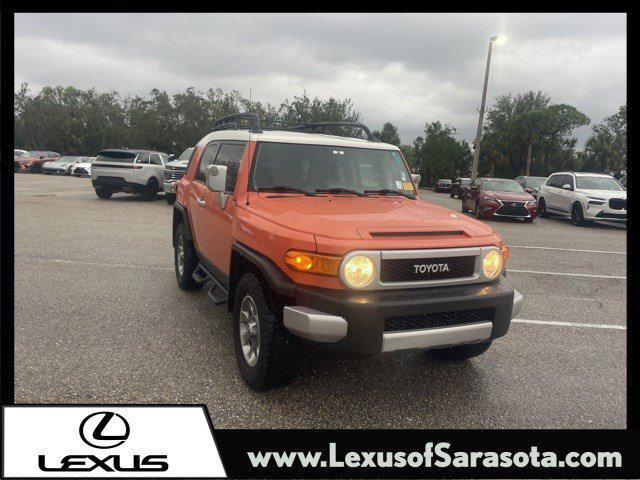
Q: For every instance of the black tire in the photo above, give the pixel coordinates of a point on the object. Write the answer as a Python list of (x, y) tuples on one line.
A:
[(464, 206), (45, 172), (577, 215), (170, 198), (542, 209), (460, 353), (528, 220), (37, 168), (277, 358), (451, 194), (476, 211), (151, 190), (190, 260), (103, 194)]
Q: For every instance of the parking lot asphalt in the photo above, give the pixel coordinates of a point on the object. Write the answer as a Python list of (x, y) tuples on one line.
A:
[(99, 318)]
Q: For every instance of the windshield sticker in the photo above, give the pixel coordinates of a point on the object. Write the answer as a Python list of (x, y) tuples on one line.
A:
[(407, 185), (338, 152), (399, 184)]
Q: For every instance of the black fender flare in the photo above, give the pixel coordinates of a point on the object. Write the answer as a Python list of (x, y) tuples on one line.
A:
[(181, 215), (278, 283)]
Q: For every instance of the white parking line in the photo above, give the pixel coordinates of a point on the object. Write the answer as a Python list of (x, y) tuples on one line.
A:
[(603, 326), (95, 264), (567, 274), (568, 249)]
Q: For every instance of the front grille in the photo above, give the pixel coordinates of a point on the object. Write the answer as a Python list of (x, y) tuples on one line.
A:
[(515, 209), (421, 269), (173, 174), (618, 203), (80, 171), (438, 319)]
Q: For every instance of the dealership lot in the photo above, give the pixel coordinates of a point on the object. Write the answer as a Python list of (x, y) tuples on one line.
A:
[(100, 319)]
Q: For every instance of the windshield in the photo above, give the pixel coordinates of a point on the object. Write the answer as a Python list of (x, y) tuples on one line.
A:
[(186, 155), (535, 182), (502, 186), (598, 183), (66, 159), (323, 167)]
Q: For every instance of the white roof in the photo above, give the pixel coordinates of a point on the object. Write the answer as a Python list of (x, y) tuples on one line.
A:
[(282, 136), (583, 174)]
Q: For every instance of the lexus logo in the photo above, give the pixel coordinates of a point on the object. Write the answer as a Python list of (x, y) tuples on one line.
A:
[(104, 430), (514, 204)]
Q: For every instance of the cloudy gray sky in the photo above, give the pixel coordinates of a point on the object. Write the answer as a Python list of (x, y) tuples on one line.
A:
[(405, 68)]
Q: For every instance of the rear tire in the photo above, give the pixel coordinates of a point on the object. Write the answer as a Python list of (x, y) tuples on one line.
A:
[(184, 259), (151, 190), (170, 198), (460, 353), (273, 362), (36, 168), (528, 220), (103, 194)]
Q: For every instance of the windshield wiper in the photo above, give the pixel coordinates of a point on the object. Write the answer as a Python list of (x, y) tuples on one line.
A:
[(340, 190), (387, 191), (286, 188)]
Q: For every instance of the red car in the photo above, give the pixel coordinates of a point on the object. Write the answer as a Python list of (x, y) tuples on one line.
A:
[(499, 197), (32, 160)]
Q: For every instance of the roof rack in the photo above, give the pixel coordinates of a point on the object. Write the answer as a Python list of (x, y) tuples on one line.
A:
[(315, 127), (230, 122)]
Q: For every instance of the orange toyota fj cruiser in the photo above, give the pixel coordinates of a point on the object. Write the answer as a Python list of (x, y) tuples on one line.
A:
[(321, 241)]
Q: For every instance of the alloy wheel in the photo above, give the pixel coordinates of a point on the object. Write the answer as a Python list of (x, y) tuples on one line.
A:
[(249, 326)]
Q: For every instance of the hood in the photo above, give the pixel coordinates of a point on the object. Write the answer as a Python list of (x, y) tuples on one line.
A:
[(604, 193), (178, 164), (510, 196), (358, 218)]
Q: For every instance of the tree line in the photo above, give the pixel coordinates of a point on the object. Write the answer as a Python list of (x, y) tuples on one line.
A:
[(525, 133)]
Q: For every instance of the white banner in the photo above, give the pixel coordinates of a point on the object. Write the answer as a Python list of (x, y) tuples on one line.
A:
[(109, 441)]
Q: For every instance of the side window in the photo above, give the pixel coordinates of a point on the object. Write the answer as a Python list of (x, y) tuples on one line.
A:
[(142, 158), (154, 159), (206, 159), (552, 180), (164, 157), (569, 179), (230, 155)]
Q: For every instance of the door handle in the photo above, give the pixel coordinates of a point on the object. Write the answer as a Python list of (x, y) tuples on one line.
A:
[(201, 202)]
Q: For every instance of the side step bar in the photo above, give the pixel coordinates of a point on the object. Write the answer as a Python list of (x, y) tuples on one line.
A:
[(214, 288)]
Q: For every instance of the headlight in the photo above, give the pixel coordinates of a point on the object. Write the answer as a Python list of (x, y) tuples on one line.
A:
[(359, 271), (492, 264)]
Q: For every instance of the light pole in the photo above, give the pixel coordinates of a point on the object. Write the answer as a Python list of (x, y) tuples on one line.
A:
[(498, 40)]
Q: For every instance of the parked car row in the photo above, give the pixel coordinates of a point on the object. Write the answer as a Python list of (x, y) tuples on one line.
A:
[(582, 197), (32, 160), (66, 165)]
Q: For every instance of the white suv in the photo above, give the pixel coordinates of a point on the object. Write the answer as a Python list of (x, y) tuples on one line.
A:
[(584, 197), (130, 171)]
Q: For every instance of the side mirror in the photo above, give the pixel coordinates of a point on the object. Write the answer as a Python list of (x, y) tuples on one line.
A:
[(416, 177), (217, 177), (566, 186), (171, 157)]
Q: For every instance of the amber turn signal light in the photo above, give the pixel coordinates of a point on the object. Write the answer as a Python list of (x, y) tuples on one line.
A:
[(312, 262)]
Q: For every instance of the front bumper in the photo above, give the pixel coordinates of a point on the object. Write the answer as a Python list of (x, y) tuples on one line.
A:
[(361, 324), (169, 186), (493, 209), (116, 184), (604, 212)]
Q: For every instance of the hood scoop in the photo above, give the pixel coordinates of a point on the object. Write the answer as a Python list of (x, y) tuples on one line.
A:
[(432, 233)]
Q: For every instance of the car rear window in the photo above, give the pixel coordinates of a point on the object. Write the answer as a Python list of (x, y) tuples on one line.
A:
[(122, 157)]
